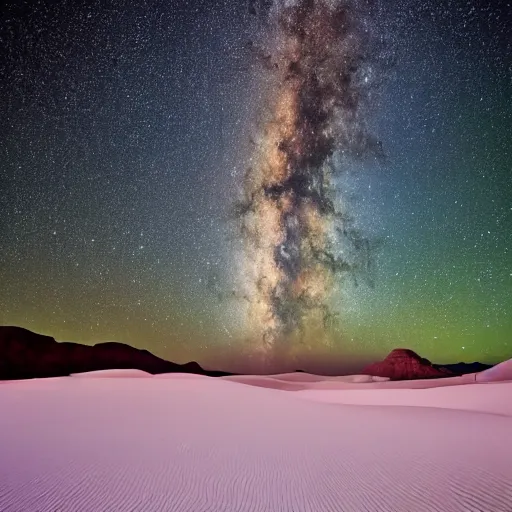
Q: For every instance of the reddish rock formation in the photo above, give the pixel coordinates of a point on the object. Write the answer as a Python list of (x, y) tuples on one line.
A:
[(26, 355), (404, 364)]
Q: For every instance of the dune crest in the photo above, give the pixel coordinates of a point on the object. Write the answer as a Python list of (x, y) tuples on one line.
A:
[(500, 372)]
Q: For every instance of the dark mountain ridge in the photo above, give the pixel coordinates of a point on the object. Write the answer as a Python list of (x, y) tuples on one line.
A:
[(27, 355)]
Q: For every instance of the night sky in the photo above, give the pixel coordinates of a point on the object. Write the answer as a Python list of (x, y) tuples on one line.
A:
[(125, 133)]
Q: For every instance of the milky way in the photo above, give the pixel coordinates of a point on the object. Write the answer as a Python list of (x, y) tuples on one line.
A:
[(298, 236), (125, 132)]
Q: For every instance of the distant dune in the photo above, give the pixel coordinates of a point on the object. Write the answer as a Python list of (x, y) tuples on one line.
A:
[(500, 372)]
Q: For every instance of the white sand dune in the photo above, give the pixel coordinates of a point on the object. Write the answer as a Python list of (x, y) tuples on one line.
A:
[(493, 398), (306, 381), (192, 443), (113, 374), (499, 373), (446, 393), (308, 377)]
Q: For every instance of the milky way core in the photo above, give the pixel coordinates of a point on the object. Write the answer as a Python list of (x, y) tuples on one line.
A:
[(299, 240)]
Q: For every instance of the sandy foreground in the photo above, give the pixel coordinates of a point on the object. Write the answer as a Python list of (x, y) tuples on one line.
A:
[(127, 441)]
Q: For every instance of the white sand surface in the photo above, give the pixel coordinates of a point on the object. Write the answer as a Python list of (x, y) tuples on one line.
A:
[(199, 444)]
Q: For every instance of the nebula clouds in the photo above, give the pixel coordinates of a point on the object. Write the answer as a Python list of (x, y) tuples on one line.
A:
[(318, 56)]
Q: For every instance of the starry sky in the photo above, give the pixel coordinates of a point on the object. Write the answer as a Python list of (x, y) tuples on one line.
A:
[(125, 132)]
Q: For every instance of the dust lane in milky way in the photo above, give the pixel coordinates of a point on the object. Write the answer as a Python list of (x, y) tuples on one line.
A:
[(298, 239)]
